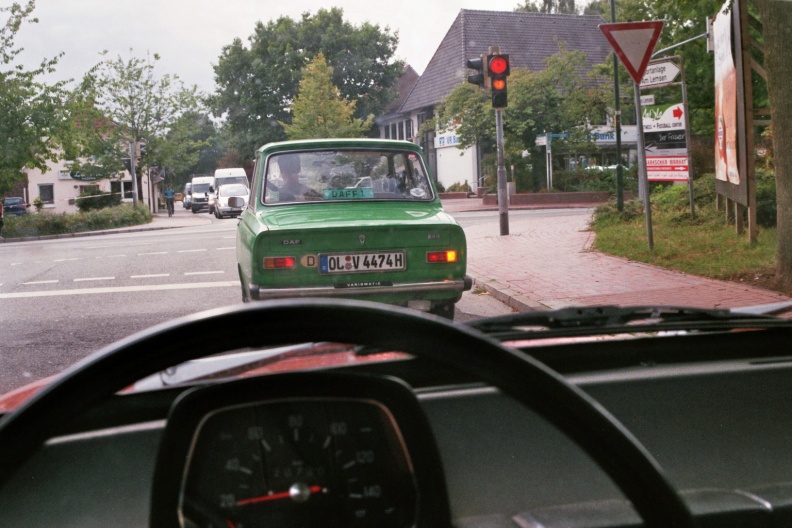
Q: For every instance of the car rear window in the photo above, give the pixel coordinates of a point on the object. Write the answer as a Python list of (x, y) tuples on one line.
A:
[(346, 175)]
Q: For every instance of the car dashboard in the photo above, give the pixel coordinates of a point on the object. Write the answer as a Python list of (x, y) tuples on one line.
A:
[(408, 442)]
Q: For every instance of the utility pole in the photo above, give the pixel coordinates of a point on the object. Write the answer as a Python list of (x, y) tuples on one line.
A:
[(503, 194), (617, 124)]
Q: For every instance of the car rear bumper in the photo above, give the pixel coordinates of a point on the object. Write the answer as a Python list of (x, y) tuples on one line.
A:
[(365, 289)]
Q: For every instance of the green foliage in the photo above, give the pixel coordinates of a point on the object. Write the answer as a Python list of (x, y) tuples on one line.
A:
[(556, 99), (93, 200), (594, 180), (766, 207), (31, 112), (124, 100), (608, 213), (319, 111), (459, 187), (44, 223), (548, 6), (257, 84)]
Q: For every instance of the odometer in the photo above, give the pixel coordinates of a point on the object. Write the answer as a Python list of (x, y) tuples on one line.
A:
[(299, 462)]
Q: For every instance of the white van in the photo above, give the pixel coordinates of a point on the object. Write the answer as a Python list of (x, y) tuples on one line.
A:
[(200, 189), (226, 177)]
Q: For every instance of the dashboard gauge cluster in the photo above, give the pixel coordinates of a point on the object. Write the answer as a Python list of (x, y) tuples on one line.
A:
[(299, 450)]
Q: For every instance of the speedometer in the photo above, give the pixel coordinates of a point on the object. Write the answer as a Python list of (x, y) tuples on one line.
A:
[(299, 462)]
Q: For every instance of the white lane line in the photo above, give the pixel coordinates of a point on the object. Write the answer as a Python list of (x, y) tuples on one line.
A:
[(153, 275), (111, 256), (224, 248), (17, 263), (191, 250), (121, 289), (66, 259), (40, 282), (204, 273), (153, 253), (88, 279)]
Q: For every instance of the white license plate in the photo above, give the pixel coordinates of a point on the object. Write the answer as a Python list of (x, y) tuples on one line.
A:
[(358, 262)]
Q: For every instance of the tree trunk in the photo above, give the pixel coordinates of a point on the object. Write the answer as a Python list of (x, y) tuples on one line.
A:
[(777, 31)]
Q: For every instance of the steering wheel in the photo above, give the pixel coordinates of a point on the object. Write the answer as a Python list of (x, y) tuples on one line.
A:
[(280, 322)]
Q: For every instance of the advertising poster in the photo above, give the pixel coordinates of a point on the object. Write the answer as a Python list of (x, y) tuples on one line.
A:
[(665, 139), (725, 100)]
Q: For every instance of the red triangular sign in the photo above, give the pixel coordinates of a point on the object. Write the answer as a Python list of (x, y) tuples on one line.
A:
[(633, 43)]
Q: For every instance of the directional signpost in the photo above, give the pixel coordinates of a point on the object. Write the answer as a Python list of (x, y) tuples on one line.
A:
[(660, 73)]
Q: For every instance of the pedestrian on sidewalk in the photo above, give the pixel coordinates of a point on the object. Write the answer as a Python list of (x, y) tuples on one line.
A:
[(169, 194)]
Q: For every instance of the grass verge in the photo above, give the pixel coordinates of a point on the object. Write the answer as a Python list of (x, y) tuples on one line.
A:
[(706, 245)]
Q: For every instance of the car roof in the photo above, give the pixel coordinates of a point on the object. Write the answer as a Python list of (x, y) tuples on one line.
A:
[(309, 144)]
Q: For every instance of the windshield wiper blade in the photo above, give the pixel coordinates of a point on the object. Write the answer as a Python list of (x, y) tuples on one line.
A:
[(598, 320)]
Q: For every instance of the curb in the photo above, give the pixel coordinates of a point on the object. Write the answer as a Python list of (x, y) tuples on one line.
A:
[(132, 229)]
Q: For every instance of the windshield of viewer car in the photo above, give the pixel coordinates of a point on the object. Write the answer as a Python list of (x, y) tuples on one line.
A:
[(345, 175)]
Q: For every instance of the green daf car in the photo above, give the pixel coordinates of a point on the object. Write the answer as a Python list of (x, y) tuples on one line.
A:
[(352, 218)]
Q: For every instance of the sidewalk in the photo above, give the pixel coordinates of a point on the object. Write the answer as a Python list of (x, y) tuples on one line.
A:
[(547, 263)]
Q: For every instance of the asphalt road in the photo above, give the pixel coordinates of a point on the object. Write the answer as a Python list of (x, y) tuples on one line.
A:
[(62, 299)]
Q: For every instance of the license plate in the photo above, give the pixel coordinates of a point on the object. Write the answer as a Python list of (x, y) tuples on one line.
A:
[(360, 262)]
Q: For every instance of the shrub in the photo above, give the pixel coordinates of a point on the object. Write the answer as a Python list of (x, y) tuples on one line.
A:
[(594, 180), (46, 223), (92, 200), (459, 187), (608, 213)]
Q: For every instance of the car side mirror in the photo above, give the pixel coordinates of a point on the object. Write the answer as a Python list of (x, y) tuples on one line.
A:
[(236, 201)]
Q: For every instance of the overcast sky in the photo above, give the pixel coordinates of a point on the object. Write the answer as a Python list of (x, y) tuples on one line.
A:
[(189, 34)]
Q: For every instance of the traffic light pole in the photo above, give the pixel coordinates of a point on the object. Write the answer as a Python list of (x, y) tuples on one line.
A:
[(503, 194)]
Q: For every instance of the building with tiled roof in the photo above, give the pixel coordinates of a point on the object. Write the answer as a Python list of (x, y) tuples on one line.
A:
[(528, 38)]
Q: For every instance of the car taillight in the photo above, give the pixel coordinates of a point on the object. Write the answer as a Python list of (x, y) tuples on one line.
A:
[(449, 255), (279, 262)]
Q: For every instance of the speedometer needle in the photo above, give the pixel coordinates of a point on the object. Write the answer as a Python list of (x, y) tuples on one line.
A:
[(298, 493)]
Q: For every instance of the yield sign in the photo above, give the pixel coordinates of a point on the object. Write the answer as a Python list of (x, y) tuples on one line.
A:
[(633, 43)]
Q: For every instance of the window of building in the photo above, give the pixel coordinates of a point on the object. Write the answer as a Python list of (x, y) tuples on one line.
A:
[(47, 192), (116, 187), (401, 130), (386, 128), (408, 130)]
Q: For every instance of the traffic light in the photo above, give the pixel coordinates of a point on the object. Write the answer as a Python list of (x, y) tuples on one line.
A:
[(479, 78), (498, 70)]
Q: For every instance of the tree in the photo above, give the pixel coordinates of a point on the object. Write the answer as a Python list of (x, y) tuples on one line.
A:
[(190, 146), (31, 112), (776, 18), (257, 85), (129, 103), (319, 111), (556, 99), (548, 6)]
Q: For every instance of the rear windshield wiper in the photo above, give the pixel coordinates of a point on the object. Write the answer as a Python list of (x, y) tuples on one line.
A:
[(599, 320)]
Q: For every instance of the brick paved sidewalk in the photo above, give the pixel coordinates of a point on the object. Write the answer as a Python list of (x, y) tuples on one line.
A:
[(547, 263)]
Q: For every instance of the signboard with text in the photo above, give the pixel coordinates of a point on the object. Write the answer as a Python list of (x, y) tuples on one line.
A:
[(665, 140)]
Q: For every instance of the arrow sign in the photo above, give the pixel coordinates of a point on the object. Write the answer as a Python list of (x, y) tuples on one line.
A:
[(659, 73), (633, 43)]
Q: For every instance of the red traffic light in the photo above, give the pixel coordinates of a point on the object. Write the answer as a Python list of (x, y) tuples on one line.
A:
[(498, 64)]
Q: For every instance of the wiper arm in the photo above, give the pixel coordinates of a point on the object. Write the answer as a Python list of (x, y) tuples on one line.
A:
[(615, 319)]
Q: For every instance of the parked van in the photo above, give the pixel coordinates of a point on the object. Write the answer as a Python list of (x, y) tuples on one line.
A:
[(226, 177), (187, 197), (200, 189)]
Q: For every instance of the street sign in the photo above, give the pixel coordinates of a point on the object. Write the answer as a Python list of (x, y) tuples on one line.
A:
[(659, 74), (648, 100), (633, 43)]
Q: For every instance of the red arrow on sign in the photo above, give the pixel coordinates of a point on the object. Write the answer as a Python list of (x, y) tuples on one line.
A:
[(633, 43)]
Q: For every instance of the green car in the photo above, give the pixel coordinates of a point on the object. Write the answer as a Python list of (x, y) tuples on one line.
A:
[(351, 218)]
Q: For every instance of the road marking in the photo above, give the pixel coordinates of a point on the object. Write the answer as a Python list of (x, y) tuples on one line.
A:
[(112, 256), (224, 248), (191, 250), (204, 272), (153, 275), (17, 263), (153, 253), (87, 279), (121, 289), (66, 259), (39, 282)]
